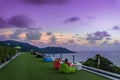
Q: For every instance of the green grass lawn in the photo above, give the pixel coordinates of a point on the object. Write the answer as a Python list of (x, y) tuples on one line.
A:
[(28, 67)]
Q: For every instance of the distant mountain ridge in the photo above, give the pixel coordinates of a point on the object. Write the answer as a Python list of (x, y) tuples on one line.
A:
[(56, 50), (2, 44), (26, 47)]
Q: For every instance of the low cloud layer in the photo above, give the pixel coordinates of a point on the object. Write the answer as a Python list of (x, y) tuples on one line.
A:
[(71, 41), (53, 39), (49, 33), (116, 28), (15, 34), (99, 35), (33, 35), (72, 19)]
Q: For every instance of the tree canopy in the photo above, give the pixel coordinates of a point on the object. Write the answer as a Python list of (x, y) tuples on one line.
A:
[(105, 64), (6, 53)]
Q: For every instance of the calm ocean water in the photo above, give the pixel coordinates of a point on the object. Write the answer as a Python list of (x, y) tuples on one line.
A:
[(113, 56)]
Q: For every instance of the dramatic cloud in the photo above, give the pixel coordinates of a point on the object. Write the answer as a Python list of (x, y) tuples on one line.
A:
[(81, 38), (93, 37), (98, 35), (105, 43), (72, 19), (49, 33), (108, 38), (46, 2), (17, 21), (15, 34), (33, 35), (4, 23), (76, 34), (53, 39), (92, 41), (102, 34), (71, 41), (21, 21), (116, 28)]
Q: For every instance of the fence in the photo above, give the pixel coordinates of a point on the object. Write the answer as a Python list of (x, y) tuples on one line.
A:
[(100, 72)]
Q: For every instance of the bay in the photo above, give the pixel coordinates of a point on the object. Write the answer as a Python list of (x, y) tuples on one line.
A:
[(113, 56)]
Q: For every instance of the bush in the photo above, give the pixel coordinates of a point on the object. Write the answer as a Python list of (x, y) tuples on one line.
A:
[(105, 64), (6, 53)]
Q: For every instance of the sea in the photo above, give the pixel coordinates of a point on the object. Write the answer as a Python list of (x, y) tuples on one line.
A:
[(82, 56)]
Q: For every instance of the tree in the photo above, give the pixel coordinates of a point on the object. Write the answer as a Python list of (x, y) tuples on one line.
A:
[(105, 64), (6, 53)]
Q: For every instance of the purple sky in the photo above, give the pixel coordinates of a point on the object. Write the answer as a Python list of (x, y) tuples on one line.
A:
[(74, 24)]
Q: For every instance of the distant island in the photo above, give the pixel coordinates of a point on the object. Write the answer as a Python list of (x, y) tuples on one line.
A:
[(27, 47), (55, 50)]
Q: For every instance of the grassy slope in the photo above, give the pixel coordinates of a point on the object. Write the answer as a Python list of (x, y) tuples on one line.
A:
[(27, 67)]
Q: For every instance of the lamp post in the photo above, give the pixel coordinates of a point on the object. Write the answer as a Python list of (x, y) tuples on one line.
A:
[(98, 64), (61, 55)]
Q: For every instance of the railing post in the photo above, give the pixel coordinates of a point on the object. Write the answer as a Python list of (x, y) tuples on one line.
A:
[(73, 59), (61, 56)]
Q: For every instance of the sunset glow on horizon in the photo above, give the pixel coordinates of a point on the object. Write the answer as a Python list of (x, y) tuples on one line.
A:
[(73, 24)]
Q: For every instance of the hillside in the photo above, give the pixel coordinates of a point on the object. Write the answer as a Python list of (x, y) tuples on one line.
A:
[(56, 50), (27, 47), (2, 44)]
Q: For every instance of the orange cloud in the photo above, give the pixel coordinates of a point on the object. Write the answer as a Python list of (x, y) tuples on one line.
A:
[(6, 33), (22, 35)]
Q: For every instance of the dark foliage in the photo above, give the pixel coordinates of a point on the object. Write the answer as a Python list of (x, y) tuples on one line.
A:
[(105, 64), (6, 53)]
